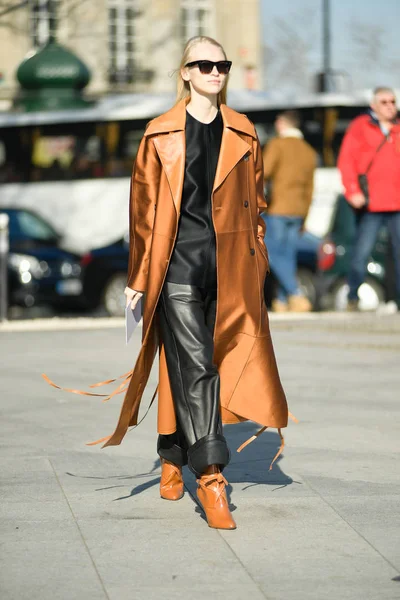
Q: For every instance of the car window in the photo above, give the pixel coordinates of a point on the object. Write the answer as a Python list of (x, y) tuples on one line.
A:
[(31, 226)]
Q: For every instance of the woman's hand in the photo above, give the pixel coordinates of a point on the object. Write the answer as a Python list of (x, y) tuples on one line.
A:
[(132, 296)]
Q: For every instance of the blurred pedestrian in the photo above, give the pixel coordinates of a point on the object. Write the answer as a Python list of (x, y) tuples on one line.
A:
[(369, 163), (289, 164)]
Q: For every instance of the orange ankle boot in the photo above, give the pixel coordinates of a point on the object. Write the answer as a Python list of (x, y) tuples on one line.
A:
[(171, 484), (212, 496)]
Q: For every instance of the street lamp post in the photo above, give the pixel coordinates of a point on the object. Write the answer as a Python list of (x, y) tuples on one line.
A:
[(324, 78), (326, 37)]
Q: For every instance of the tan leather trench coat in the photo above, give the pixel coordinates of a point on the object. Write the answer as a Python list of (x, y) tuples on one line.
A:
[(243, 352)]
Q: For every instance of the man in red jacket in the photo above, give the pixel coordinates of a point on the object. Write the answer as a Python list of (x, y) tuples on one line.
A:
[(371, 146)]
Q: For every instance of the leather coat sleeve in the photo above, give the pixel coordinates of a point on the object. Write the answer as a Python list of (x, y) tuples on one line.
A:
[(261, 202), (143, 197)]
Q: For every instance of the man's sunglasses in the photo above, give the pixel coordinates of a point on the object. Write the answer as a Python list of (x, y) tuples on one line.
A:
[(384, 102), (206, 66)]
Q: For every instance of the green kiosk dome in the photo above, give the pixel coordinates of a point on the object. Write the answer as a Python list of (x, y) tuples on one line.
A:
[(51, 78)]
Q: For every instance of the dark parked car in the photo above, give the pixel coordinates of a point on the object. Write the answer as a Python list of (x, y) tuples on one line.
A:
[(39, 271), (104, 277), (334, 264)]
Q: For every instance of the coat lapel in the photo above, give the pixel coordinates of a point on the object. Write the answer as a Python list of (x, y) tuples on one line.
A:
[(233, 149), (233, 146), (171, 150), (171, 147)]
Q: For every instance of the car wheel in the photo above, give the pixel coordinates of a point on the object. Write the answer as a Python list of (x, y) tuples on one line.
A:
[(306, 283), (113, 295), (370, 293)]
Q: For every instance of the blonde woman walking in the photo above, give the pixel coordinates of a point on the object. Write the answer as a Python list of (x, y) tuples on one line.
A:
[(197, 253)]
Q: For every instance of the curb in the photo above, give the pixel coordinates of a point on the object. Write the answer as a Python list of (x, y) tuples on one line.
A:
[(62, 324), (332, 320)]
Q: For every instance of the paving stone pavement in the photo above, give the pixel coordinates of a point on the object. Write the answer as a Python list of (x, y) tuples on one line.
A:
[(77, 522)]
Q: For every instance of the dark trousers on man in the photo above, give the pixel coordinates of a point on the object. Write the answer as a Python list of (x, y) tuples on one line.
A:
[(187, 318), (368, 227)]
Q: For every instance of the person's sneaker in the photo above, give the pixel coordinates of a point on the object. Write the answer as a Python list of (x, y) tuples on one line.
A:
[(352, 306), (299, 304), (278, 306), (388, 308)]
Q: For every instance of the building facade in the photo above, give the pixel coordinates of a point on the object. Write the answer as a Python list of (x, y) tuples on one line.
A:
[(132, 45)]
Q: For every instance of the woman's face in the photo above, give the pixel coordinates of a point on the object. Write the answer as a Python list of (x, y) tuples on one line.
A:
[(210, 84)]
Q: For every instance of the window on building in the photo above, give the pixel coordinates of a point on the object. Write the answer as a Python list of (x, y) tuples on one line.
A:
[(197, 18), (43, 17), (121, 19)]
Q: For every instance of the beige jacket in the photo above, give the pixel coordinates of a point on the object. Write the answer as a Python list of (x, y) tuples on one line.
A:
[(289, 164)]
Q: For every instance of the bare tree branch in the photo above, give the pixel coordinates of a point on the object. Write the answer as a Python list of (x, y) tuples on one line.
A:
[(368, 49), (368, 42), (11, 27), (70, 6), (6, 7), (288, 63)]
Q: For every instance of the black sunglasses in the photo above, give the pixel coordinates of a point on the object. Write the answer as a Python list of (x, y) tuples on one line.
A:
[(206, 66)]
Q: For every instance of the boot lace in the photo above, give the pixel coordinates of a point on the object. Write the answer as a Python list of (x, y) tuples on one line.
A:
[(206, 480)]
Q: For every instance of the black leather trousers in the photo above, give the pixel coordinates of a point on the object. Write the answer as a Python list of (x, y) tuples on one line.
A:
[(187, 318)]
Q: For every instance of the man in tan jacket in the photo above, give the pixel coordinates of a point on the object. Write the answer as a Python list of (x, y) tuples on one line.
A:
[(289, 164)]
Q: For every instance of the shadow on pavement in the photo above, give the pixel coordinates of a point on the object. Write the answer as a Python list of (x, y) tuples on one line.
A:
[(250, 467), (122, 478)]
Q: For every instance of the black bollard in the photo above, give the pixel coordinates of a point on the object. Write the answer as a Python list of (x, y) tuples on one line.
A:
[(4, 246)]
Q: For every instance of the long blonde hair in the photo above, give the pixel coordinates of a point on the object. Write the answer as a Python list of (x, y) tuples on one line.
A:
[(183, 87)]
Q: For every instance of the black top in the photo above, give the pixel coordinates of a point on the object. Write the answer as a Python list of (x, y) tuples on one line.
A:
[(193, 259)]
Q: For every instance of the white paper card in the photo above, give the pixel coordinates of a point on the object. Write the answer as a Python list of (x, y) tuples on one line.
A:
[(132, 318)]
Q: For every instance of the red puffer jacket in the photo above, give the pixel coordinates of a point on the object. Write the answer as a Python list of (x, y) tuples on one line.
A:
[(358, 148)]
